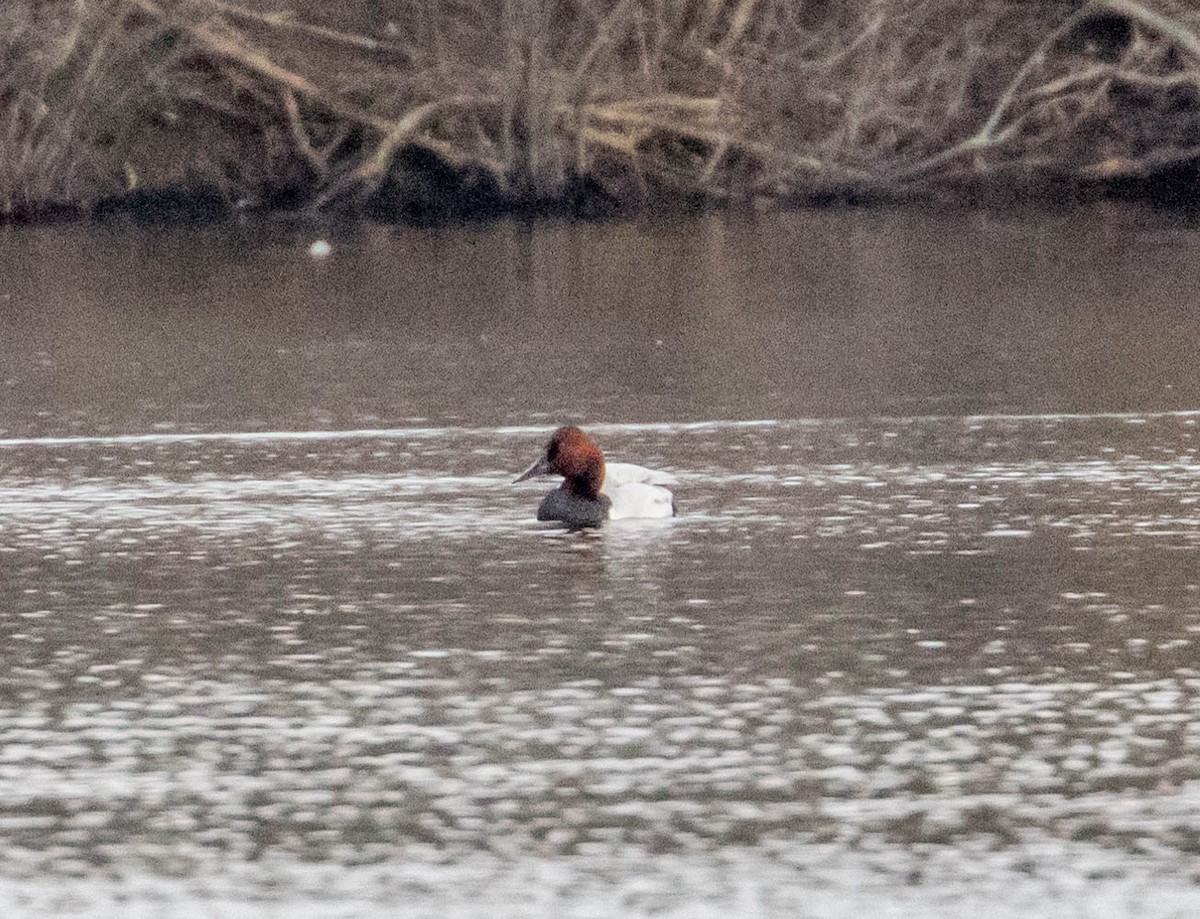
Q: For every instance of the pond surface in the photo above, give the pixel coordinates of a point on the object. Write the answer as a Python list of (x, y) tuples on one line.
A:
[(281, 639)]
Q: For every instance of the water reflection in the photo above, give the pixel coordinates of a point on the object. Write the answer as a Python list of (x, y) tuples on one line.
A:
[(819, 314), (925, 655)]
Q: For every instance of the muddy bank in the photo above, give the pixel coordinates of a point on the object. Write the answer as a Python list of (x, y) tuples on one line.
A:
[(419, 110)]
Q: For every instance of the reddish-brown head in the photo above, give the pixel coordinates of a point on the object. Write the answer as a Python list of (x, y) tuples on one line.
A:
[(573, 456)]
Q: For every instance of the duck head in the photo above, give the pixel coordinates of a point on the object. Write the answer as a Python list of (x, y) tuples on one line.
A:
[(573, 456)]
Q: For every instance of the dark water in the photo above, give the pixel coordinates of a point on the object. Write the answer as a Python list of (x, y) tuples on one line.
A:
[(280, 639)]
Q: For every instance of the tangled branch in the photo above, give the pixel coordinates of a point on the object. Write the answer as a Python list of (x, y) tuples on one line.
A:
[(718, 98)]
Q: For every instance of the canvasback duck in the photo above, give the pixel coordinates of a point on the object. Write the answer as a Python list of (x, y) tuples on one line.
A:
[(593, 491)]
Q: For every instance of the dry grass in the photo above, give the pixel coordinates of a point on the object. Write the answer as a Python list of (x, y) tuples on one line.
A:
[(526, 99), (62, 92)]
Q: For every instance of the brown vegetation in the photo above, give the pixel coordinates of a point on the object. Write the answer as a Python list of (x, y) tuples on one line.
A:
[(517, 102)]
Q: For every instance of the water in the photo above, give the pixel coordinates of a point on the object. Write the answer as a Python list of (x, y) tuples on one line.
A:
[(280, 638)]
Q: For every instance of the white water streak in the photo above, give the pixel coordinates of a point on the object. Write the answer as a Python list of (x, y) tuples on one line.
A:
[(419, 432)]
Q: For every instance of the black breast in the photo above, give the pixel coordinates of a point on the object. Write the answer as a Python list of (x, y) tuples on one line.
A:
[(574, 510)]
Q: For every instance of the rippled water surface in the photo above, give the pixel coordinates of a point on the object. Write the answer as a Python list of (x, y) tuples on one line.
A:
[(281, 639)]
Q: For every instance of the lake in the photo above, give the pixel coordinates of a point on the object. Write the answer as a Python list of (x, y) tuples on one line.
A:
[(282, 639)]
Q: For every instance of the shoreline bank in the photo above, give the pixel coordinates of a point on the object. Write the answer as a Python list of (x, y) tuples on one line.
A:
[(418, 112)]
